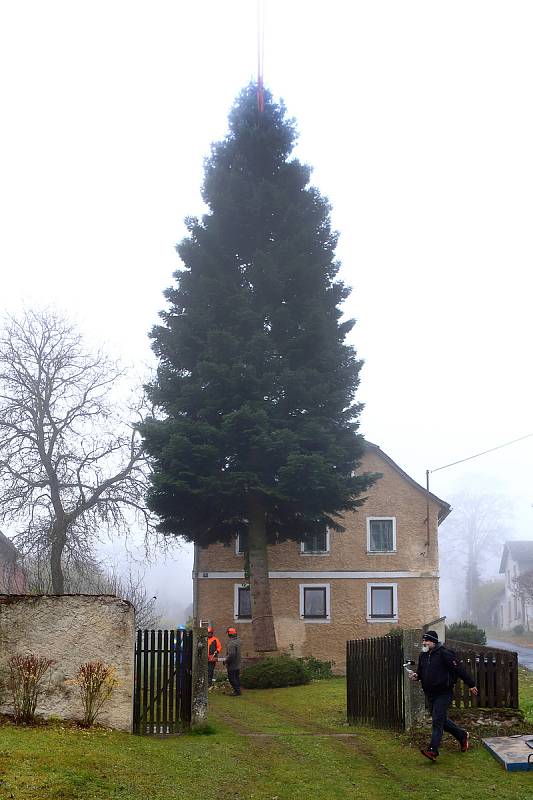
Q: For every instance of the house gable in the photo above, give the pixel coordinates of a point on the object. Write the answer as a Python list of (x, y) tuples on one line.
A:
[(519, 552)]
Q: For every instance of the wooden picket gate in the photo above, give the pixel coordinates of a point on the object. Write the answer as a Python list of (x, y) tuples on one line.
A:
[(495, 673), (374, 675), (163, 678)]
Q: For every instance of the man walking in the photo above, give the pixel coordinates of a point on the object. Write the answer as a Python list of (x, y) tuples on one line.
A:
[(438, 670), (233, 661)]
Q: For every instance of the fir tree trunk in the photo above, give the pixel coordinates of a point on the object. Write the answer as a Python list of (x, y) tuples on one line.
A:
[(263, 632)]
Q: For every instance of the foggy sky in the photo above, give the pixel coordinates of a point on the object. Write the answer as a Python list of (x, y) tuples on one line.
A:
[(417, 121)]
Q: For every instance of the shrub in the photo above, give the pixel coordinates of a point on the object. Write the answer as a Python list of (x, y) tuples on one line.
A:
[(466, 632), (395, 631), (275, 672), (96, 681), (26, 674), (519, 630), (316, 669)]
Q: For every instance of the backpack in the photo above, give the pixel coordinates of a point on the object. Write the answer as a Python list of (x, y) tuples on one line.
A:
[(454, 668)]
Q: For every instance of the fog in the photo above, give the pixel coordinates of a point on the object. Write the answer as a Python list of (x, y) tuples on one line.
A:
[(417, 121)]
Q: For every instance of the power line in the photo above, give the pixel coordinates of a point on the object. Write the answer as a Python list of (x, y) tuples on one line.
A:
[(461, 461), (492, 449)]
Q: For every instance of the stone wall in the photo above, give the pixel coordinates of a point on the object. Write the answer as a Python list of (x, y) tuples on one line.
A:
[(71, 630)]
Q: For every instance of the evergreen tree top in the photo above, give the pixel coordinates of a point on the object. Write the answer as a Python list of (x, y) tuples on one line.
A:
[(255, 380)]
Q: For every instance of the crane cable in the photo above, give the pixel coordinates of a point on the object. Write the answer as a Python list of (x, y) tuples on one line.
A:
[(260, 55)]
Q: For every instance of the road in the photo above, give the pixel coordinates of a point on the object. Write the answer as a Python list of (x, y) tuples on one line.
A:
[(525, 654)]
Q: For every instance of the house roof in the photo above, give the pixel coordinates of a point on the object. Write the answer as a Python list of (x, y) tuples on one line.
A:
[(444, 507), (7, 549), (521, 550)]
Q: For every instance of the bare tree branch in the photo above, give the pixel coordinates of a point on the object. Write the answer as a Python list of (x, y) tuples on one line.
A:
[(474, 532), (69, 461)]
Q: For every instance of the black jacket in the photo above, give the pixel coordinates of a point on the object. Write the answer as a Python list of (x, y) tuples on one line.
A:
[(438, 670), (233, 653)]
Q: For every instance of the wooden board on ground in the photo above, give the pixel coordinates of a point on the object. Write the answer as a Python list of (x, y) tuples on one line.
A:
[(515, 753)]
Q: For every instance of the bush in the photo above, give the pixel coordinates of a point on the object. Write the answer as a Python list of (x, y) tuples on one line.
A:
[(26, 674), (395, 631), (466, 632), (316, 669), (519, 630), (275, 672), (96, 682)]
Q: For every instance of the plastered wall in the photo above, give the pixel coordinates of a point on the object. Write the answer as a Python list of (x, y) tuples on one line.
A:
[(70, 630)]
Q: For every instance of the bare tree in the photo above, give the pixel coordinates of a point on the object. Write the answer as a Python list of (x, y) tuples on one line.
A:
[(473, 533), (91, 577), (69, 463)]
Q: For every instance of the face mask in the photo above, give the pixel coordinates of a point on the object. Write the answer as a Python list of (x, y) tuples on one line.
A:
[(425, 648)]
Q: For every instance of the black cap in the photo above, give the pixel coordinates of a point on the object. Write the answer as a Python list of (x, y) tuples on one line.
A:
[(431, 636)]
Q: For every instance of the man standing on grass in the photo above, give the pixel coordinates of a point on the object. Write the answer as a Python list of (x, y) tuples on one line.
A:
[(233, 661), (438, 670), (213, 651)]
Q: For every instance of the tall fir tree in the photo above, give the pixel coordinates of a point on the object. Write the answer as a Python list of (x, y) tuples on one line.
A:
[(255, 382)]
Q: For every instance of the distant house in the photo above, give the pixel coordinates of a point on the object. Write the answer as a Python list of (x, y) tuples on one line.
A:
[(517, 558), (380, 573), (12, 577)]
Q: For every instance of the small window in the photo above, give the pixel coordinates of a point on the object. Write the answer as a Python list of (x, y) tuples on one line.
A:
[(314, 602), (316, 543), (382, 602), (241, 543), (244, 603), (381, 534)]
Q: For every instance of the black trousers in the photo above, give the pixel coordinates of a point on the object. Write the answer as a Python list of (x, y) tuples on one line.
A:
[(234, 677), (210, 671), (439, 705)]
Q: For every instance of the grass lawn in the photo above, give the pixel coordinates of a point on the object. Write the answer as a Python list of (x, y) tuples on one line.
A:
[(280, 744)]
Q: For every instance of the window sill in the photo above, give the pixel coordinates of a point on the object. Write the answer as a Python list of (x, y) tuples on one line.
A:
[(242, 620), (381, 552), (382, 619), (316, 620), (318, 553)]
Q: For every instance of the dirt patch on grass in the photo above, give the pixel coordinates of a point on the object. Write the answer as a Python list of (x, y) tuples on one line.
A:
[(479, 722)]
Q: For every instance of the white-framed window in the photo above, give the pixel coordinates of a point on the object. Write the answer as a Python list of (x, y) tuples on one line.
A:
[(242, 603), (241, 543), (317, 544), (382, 602), (315, 602), (381, 534)]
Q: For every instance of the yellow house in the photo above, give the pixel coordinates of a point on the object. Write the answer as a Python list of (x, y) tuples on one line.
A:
[(380, 573)]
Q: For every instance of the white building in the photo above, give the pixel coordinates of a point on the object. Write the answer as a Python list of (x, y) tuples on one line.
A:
[(517, 559)]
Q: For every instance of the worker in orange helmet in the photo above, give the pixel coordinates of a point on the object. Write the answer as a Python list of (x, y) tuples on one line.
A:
[(214, 648), (233, 661)]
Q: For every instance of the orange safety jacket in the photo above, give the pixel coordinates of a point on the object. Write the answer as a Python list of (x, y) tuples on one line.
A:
[(213, 648)]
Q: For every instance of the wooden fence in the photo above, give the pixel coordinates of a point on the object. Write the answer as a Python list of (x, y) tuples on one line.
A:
[(377, 689), (374, 675), (494, 671), (163, 676)]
